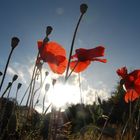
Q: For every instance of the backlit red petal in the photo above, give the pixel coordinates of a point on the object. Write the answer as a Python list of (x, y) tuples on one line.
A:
[(39, 43), (59, 69), (122, 72), (81, 66), (88, 54), (131, 95)]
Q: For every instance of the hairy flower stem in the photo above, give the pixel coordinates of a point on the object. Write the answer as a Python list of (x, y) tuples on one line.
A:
[(4, 74), (72, 71), (71, 49), (32, 79)]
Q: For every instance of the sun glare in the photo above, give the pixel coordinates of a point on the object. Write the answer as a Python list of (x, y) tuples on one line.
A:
[(62, 94)]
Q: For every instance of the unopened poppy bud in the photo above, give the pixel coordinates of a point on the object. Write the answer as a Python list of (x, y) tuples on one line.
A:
[(9, 84), (37, 101), (54, 82), (46, 73), (19, 85), (83, 8), (15, 77), (48, 30), (0, 73), (14, 42), (47, 86)]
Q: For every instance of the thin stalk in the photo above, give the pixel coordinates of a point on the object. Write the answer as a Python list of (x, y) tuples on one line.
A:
[(100, 137), (17, 93), (41, 84), (4, 74), (44, 102), (25, 94), (9, 92), (71, 49), (32, 79), (5, 91), (71, 71), (47, 108)]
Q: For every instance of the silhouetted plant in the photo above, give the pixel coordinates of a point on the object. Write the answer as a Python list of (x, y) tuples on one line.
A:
[(14, 43)]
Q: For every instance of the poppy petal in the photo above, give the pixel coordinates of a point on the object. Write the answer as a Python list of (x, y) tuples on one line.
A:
[(96, 52), (122, 72), (81, 66), (55, 55), (59, 69), (131, 95), (39, 43), (137, 85)]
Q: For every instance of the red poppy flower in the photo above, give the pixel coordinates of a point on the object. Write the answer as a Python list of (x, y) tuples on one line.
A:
[(85, 56), (54, 54), (131, 83)]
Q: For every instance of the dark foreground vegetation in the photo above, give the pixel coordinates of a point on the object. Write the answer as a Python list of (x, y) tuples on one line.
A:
[(106, 120)]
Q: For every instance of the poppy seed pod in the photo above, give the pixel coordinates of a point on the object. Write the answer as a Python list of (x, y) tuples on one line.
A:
[(15, 77), (48, 30), (46, 73), (14, 42), (0, 73), (9, 84), (47, 86), (19, 85), (54, 82), (83, 8)]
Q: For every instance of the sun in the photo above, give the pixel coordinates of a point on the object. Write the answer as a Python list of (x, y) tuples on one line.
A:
[(63, 94)]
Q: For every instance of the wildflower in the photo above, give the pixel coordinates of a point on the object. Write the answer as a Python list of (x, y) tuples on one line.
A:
[(55, 55), (85, 56), (131, 83)]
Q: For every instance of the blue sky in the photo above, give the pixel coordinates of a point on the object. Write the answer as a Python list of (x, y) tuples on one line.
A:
[(114, 24)]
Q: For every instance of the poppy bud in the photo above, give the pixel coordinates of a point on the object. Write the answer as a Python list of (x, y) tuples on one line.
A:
[(48, 30), (47, 86), (37, 101), (83, 8), (9, 84), (19, 85), (46, 73), (54, 82), (0, 73), (14, 42), (15, 77)]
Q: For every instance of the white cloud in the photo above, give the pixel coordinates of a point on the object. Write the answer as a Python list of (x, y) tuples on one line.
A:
[(11, 71)]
